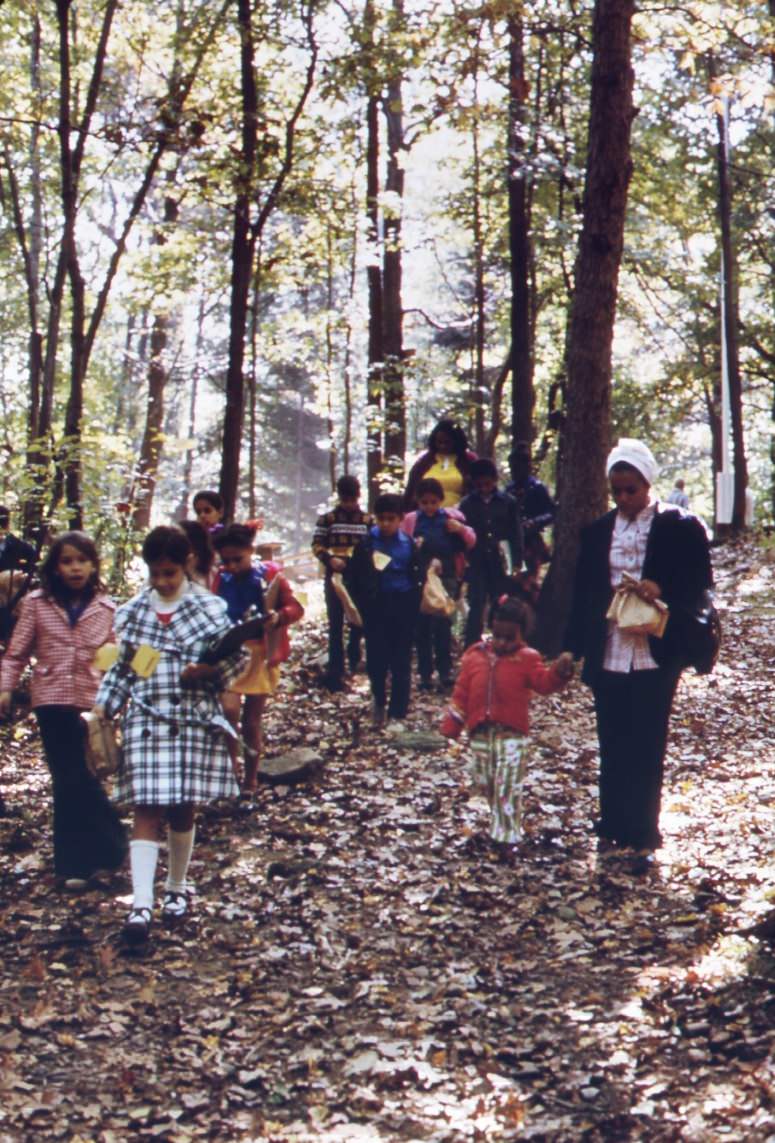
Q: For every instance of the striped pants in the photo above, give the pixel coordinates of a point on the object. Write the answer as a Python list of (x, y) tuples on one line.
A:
[(499, 758)]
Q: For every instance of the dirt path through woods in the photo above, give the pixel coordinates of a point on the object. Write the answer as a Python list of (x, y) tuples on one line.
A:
[(360, 968)]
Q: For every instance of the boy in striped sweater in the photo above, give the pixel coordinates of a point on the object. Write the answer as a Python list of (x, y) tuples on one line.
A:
[(336, 535)]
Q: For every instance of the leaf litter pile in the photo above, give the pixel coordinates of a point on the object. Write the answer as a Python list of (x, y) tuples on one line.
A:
[(360, 965)]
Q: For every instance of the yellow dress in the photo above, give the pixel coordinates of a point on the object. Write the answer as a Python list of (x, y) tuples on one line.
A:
[(449, 477), (258, 678)]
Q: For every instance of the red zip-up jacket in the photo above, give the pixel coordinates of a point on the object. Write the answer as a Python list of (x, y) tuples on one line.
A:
[(496, 688)]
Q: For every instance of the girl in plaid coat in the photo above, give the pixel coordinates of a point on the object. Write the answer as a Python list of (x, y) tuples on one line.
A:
[(63, 625), (174, 733), (490, 700)]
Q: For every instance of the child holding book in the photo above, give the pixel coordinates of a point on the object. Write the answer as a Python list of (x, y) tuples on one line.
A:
[(174, 733), (494, 516), (249, 588), (336, 534)]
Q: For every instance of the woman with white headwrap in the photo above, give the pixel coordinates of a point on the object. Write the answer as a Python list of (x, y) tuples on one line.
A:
[(633, 676)]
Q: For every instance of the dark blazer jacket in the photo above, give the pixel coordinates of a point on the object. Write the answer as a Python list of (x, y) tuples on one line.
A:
[(497, 520), (677, 558)]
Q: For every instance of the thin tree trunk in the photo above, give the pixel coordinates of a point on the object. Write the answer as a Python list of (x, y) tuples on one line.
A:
[(332, 451), (150, 450), (730, 317), (188, 462), (582, 488), (348, 350), (477, 384), (241, 267), (253, 387), (375, 349), (393, 313), (522, 390)]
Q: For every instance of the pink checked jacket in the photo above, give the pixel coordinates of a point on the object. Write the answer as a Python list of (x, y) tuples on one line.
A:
[(63, 674)]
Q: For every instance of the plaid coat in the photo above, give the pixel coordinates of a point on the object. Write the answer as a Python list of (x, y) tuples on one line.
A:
[(174, 736)]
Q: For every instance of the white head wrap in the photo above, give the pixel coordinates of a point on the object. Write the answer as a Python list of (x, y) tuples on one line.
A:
[(635, 453)]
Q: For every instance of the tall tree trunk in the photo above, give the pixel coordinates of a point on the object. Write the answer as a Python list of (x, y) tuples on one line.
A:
[(241, 268), (376, 354), (477, 385), (330, 428), (772, 299), (393, 311), (193, 393), (247, 232), (348, 350), (730, 318), (522, 390), (582, 485), (150, 450), (253, 386), (36, 245)]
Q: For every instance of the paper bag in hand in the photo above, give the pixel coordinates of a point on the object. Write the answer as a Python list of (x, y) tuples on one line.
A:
[(435, 600), (103, 753), (636, 615), (352, 614)]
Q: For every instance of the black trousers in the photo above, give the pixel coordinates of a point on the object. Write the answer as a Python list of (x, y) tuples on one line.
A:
[(486, 581), (335, 669), (434, 637), (390, 631), (633, 712), (88, 834)]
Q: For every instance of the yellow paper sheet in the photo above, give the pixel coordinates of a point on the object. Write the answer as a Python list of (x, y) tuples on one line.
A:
[(105, 657), (145, 661)]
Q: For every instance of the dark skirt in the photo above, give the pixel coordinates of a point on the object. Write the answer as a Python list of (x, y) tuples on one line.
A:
[(88, 834)]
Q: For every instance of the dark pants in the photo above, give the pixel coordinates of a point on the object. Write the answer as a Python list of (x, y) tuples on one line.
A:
[(390, 631), (88, 834), (633, 711), (434, 637), (434, 641), (335, 669), (486, 582)]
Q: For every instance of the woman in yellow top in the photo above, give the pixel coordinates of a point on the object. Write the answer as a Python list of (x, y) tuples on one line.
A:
[(446, 459)]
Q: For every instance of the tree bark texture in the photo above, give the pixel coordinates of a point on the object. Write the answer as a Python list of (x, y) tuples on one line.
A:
[(582, 480), (730, 317), (522, 391), (376, 353), (392, 313), (241, 268)]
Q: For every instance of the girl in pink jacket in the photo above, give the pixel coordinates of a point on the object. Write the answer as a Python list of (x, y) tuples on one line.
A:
[(61, 627), (490, 700)]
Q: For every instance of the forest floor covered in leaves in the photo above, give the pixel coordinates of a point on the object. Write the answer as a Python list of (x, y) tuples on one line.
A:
[(359, 966)]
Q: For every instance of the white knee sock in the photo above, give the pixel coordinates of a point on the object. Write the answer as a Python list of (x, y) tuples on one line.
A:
[(179, 855), (143, 856)]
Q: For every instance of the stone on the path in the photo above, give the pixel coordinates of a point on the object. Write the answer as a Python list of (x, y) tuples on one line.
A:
[(419, 740), (289, 768)]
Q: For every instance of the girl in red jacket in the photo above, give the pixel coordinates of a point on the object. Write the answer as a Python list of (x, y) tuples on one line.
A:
[(62, 626), (491, 700)]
